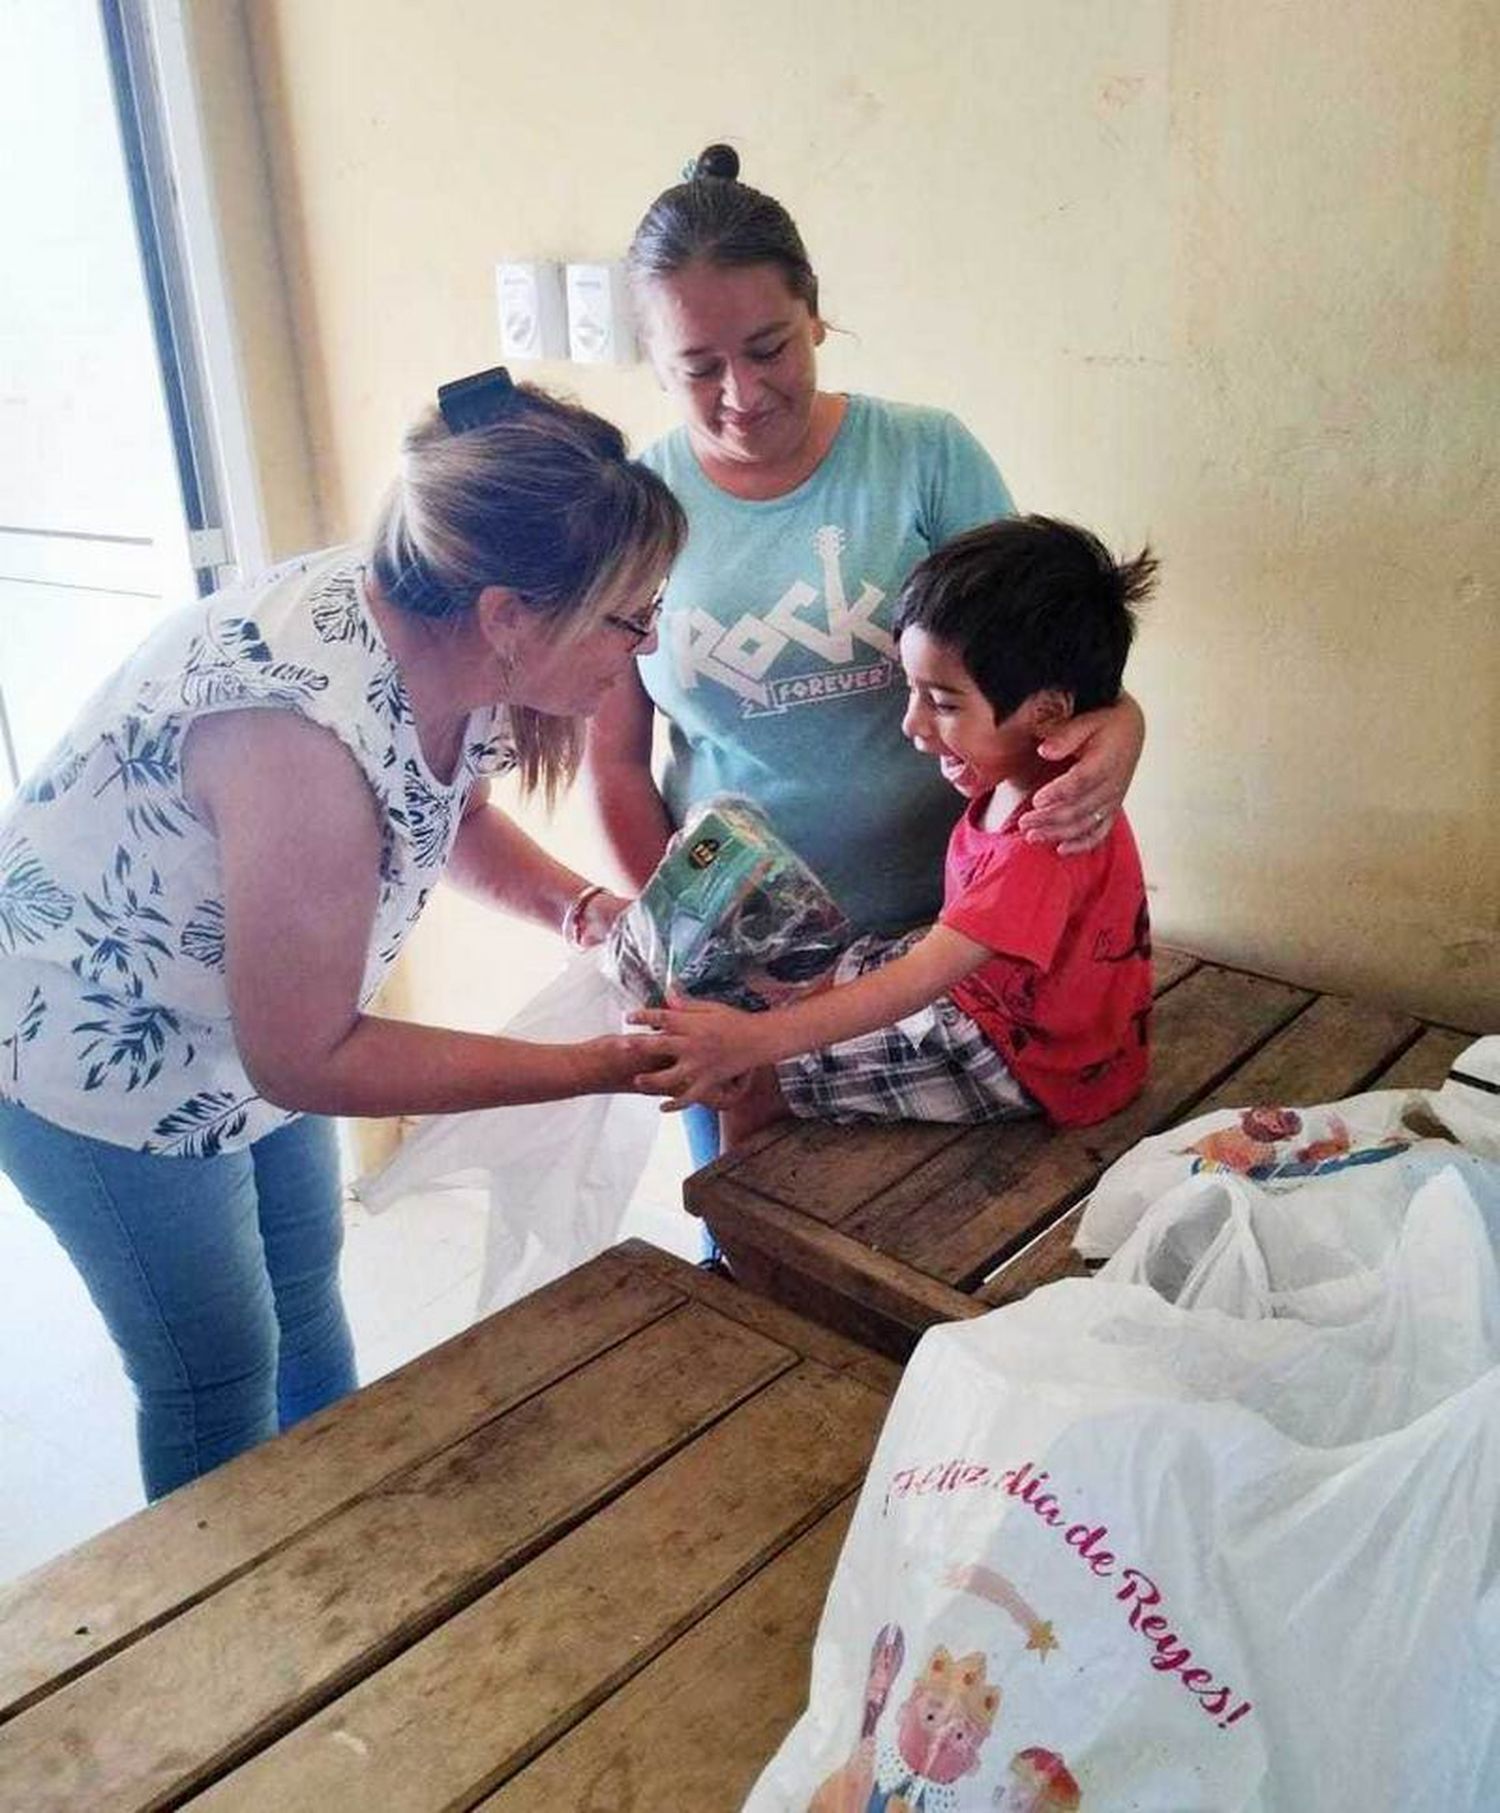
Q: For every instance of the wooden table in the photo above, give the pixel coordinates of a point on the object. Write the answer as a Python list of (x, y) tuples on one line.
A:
[(572, 1559), (880, 1231)]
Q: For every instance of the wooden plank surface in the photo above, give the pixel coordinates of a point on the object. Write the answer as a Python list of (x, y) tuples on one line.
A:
[(821, 1272), (184, 1702), (68, 1614), (986, 1195), (1169, 966), (464, 1709), (768, 1317), (685, 1733), (1042, 1261), (829, 1172), (1425, 1065), (1331, 1050), (900, 1260), (824, 1170), (1335, 1049)]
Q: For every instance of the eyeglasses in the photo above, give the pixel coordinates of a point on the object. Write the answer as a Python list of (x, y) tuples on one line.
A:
[(638, 628)]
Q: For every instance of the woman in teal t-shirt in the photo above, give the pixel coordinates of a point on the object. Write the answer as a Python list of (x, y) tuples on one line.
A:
[(776, 670)]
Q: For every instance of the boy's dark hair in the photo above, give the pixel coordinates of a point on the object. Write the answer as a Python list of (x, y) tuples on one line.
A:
[(1030, 603)]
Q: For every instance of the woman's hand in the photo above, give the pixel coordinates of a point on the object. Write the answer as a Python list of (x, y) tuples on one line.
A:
[(597, 919), (704, 1050), (1076, 810), (621, 1063)]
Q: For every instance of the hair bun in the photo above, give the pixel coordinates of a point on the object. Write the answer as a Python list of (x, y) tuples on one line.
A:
[(722, 161)]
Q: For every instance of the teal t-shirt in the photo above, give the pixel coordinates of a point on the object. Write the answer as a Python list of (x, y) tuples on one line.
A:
[(776, 668)]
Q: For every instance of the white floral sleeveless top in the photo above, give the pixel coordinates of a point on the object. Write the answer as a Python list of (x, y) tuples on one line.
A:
[(114, 1014)]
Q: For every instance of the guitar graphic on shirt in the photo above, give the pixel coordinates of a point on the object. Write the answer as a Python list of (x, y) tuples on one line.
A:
[(739, 655), (845, 621)]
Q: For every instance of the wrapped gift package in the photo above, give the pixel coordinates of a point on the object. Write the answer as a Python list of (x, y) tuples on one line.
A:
[(730, 914)]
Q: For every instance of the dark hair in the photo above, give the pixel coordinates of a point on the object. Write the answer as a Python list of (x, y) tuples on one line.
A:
[(714, 218), (1030, 603), (539, 497)]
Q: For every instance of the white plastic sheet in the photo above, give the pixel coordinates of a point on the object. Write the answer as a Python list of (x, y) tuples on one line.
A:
[(1233, 1551), (558, 1176)]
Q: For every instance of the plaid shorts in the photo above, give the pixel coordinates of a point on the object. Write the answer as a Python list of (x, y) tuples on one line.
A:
[(935, 1065)]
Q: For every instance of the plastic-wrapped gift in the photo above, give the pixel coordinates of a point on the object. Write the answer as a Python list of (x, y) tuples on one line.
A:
[(730, 914)]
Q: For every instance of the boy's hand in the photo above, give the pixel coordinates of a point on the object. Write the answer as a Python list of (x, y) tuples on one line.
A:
[(708, 1047)]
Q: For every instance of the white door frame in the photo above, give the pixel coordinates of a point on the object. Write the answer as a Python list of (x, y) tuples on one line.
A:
[(240, 545)]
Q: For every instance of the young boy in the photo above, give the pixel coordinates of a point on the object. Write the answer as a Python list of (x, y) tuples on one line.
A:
[(1033, 990)]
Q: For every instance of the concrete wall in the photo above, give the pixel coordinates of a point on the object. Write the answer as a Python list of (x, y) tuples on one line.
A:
[(1223, 277)]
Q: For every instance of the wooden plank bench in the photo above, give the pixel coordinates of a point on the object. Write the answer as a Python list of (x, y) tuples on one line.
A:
[(880, 1231), (574, 1557)]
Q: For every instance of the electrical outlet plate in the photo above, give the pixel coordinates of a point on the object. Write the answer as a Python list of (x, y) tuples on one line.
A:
[(600, 329), (533, 312)]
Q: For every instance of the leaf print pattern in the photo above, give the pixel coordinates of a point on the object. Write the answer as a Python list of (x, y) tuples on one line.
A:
[(202, 937), (425, 816), (31, 902), (61, 771), (386, 696), (210, 682), (391, 949), (339, 615), (26, 1029), (294, 681), (215, 673), (124, 945), (202, 1126), (114, 1014), (147, 770), (131, 1038)]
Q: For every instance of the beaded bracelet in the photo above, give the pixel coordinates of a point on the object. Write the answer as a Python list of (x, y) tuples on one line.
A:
[(572, 919)]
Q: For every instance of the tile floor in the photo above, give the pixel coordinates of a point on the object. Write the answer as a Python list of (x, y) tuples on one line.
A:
[(67, 1446)]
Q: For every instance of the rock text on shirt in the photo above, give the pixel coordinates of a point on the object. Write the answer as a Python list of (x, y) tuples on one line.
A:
[(739, 656)]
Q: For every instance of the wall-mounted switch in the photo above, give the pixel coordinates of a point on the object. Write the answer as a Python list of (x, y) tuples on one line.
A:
[(533, 312), (599, 321)]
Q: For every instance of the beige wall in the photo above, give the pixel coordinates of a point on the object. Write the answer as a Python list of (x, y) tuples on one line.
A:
[(1226, 277)]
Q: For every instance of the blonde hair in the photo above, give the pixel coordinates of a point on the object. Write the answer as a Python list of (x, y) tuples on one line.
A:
[(542, 499)]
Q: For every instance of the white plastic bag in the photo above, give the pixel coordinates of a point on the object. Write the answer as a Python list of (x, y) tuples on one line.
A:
[(1114, 1552), (559, 1176), (1468, 1104), (1282, 1147)]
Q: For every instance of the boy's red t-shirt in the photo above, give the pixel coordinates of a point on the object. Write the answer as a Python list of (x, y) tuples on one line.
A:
[(1066, 1000)]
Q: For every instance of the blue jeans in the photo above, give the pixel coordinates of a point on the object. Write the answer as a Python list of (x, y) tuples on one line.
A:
[(218, 1279), (701, 1125)]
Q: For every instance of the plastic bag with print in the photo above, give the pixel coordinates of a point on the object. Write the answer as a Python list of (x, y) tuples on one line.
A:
[(557, 1177), (1114, 1553), (1280, 1148)]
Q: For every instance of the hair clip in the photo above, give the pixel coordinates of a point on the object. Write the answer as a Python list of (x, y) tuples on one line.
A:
[(721, 161), (476, 401)]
